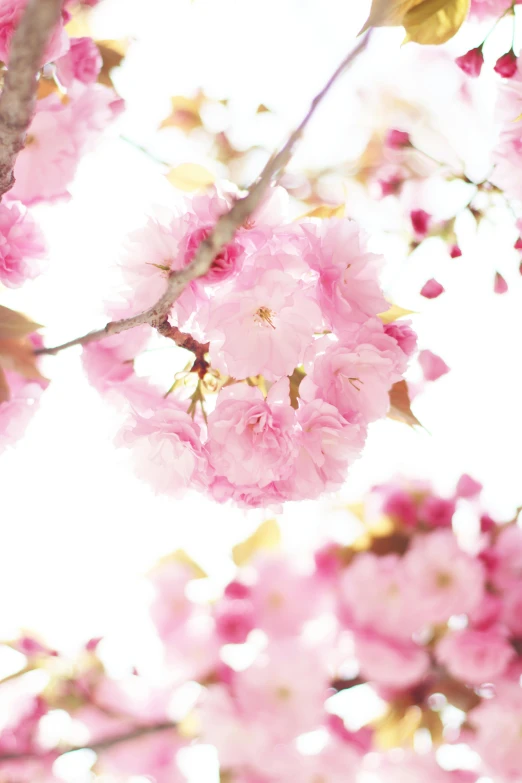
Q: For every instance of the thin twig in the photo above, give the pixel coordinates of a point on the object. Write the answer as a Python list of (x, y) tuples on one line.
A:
[(18, 98), (101, 745), (222, 233)]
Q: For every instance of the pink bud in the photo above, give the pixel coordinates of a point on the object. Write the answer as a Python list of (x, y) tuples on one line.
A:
[(234, 621), (237, 590), (487, 524), (420, 221), (500, 286), (506, 65), (397, 139), (471, 62), (467, 487), (390, 186), (92, 644), (433, 366), (518, 244), (327, 560), (455, 251), (432, 289)]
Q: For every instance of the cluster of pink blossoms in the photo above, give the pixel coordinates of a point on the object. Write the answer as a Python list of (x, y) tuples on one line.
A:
[(405, 612), (287, 308), (66, 125)]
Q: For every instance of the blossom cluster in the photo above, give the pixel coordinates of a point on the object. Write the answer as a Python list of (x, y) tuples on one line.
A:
[(71, 112), (299, 362), (281, 651)]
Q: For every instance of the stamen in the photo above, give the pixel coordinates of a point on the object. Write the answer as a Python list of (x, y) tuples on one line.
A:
[(265, 315)]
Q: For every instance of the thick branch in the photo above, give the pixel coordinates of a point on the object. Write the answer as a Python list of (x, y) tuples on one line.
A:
[(222, 233), (101, 745), (17, 101)]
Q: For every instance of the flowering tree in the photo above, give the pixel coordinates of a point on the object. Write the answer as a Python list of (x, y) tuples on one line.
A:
[(286, 347)]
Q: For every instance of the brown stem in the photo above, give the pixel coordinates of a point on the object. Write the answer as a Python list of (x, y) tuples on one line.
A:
[(101, 745), (186, 341), (18, 98), (222, 233)]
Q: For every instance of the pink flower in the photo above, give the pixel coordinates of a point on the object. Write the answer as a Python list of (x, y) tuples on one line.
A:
[(59, 135), (284, 689), (250, 440), (327, 444), (283, 599), (432, 289), (497, 734), (455, 251), (82, 62), (167, 450), (153, 755), (404, 335), (389, 662), (376, 594), (234, 621), (436, 512), (507, 568), (420, 221), (401, 507), (355, 379), (109, 362), (471, 62), (433, 367), (397, 139), (475, 656), (506, 65), (263, 328), (500, 286), (483, 9), (21, 245), (16, 413), (170, 607), (10, 14), (512, 609), (467, 487), (443, 580), (349, 287)]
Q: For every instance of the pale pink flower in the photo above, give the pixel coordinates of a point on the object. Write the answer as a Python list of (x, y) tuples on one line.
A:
[(497, 723), (170, 607), (285, 689), (507, 567), (404, 336), (336, 763), (283, 599), (16, 413), (349, 288), (467, 487), (327, 444), (407, 766), (390, 662), (263, 329), (482, 9), (166, 450), (82, 62), (251, 440), (443, 579), (475, 656), (10, 14), (512, 608), (109, 362), (153, 755), (355, 379), (58, 137), (192, 651), (433, 367), (507, 155), (21, 245), (376, 593)]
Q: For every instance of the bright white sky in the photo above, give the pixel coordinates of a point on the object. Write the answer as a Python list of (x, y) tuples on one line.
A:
[(78, 527)]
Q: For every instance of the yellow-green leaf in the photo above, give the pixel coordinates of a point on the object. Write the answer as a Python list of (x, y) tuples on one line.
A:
[(425, 21), (17, 355), (266, 537), (190, 176), (394, 313), (181, 557), (400, 405), (14, 324), (435, 21), (325, 211)]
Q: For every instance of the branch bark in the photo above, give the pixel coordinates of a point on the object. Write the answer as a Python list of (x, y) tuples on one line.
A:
[(18, 98), (223, 231)]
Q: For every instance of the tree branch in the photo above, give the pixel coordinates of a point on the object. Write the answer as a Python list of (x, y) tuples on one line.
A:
[(222, 233), (18, 98), (101, 745)]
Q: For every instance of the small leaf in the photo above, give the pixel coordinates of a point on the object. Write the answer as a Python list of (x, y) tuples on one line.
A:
[(184, 113), (325, 211), (190, 176), (394, 313), (181, 557), (266, 537), (425, 21), (14, 324), (261, 109), (295, 381), (400, 405), (17, 355), (5, 392), (112, 54)]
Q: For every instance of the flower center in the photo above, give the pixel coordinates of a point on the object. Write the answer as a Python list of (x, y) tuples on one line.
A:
[(443, 579), (283, 693), (264, 316)]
